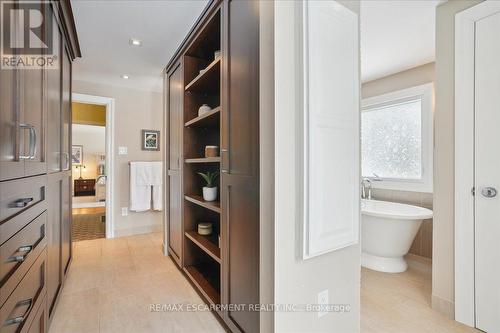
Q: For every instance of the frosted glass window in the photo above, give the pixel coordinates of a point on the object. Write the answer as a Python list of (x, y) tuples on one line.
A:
[(391, 140)]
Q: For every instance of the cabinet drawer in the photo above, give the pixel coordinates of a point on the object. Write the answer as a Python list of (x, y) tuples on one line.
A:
[(20, 309), (21, 201), (19, 252), (40, 319)]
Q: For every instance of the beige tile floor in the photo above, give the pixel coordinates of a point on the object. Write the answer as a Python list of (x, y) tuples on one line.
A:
[(112, 283), (400, 303)]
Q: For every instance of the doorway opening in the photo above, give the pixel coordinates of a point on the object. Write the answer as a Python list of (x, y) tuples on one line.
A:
[(91, 167)]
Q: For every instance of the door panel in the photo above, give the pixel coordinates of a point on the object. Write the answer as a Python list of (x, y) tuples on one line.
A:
[(54, 195), (487, 164), (175, 95), (174, 213), (33, 109), (175, 112), (66, 111), (11, 144), (240, 164), (66, 222), (54, 107)]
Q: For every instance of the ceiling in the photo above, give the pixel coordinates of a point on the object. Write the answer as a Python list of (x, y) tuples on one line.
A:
[(396, 35), (105, 28)]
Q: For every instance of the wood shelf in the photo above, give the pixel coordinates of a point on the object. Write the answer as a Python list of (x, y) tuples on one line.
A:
[(209, 119), (206, 243), (198, 200), (203, 160), (203, 285), (208, 81)]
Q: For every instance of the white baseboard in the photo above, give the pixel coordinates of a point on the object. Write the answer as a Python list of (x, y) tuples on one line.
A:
[(443, 306), (146, 229)]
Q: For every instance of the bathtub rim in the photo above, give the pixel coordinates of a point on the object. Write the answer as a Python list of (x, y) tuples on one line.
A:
[(420, 214)]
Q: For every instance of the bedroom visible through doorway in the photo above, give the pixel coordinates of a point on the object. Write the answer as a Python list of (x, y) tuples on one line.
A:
[(89, 171)]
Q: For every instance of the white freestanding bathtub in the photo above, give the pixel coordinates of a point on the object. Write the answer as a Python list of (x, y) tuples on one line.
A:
[(387, 232)]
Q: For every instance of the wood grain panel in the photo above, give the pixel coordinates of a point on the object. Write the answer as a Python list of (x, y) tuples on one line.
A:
[(240, 160)]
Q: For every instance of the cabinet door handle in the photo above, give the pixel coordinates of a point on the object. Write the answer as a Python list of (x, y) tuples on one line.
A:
[(33, 140), (21, 203), (224, 153), (66, 160), (20, 319)]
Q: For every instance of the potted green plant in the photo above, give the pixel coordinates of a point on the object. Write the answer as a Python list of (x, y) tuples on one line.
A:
[(210, 190)]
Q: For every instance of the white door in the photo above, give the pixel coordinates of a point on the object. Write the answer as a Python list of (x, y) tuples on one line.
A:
[(487, 173)]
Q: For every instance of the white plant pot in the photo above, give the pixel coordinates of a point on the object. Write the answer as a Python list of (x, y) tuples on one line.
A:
[(210, 193)]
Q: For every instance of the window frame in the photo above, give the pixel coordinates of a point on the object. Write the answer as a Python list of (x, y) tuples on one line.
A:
[(426, 94)]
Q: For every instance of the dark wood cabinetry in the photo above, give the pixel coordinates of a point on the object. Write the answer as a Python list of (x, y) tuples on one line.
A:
[(218, 65), (35, 180)]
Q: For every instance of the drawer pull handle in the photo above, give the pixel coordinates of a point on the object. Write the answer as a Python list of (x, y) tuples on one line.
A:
[(22, 202), (26, 248), (21, 258), (20, 319)]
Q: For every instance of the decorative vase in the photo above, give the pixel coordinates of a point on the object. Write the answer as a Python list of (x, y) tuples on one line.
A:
[(204, 109), (209, 193)]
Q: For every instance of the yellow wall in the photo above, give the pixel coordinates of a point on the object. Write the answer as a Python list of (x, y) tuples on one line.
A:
[(89, 114)]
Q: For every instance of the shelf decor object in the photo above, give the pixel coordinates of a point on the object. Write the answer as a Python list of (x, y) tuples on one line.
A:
[(205, 229), (211, 151), (204, 109), (210, 190)]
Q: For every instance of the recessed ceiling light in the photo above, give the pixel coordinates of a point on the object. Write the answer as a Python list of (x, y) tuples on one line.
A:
[(125, 76), (135, 42)]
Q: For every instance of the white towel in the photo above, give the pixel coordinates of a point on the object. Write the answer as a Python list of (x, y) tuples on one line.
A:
[(145, 176), (158, 197)]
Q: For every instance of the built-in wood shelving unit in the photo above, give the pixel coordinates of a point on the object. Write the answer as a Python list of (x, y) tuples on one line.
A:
[(198, 200), (203, 160), (217, 66), (209, 119), (202, 260), (206, 243)]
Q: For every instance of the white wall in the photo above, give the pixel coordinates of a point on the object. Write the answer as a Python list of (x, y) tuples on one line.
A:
[(297, 281), (134, 110), (443, 281)]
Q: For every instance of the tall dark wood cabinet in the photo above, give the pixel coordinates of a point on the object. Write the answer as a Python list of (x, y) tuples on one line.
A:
[(35, 178), (218, 65)]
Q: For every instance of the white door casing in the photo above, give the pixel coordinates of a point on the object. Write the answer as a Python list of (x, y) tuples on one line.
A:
[(109, 103), (476, 86), (331, 130)]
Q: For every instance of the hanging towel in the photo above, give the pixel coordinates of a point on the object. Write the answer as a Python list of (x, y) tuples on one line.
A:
[(145, 177)]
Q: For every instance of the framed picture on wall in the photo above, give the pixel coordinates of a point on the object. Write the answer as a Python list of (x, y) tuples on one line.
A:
[(77, 155), (150, 140)]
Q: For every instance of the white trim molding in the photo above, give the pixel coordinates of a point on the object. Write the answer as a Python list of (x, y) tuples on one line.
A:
[(109, 103), (425, 93), (330, 127), (464, 158)]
